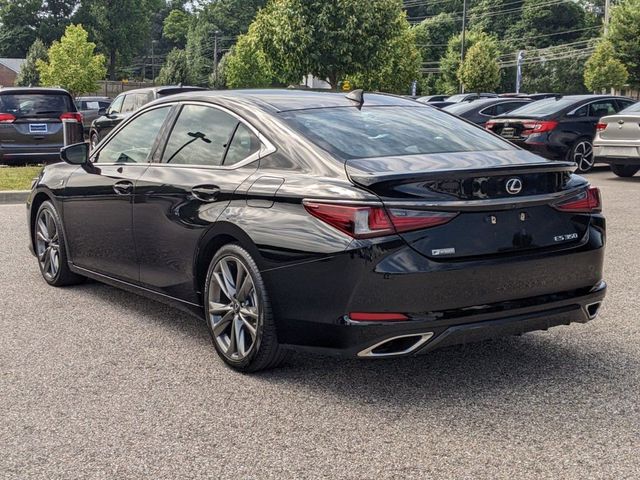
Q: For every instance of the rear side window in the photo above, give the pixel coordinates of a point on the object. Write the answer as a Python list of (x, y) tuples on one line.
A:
[(132, 143), (602, 109), (625, 103), (22, 105), (204, 135), (348, 132), (633, 108)]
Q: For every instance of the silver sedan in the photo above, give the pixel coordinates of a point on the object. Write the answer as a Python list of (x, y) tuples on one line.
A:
[(617, 141)]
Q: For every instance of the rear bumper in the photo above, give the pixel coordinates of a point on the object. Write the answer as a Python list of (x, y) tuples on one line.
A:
[(618, 160), (24, 156), (453, 300)]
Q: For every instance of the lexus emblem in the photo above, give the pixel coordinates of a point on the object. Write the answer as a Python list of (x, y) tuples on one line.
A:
[(514, 186)]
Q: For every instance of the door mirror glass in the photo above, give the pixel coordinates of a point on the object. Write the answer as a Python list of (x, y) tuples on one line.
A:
[(76, 154)]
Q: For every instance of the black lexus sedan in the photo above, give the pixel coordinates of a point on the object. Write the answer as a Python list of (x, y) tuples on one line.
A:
[(559, 128), (359, 225)]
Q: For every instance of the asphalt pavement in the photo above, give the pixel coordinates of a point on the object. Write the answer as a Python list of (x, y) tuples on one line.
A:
[(97, 383)]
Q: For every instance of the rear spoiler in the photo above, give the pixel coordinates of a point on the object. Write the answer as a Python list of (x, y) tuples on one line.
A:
[(368, 179)]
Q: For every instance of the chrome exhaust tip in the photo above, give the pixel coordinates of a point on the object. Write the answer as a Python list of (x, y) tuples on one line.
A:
[(592, 310), (398, 345)]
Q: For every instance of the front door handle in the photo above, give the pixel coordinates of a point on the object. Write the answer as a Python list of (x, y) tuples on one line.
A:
[(123, 188), (206, 193)]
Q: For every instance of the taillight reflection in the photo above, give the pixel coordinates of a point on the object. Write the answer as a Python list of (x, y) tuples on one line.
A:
[(7, 118)]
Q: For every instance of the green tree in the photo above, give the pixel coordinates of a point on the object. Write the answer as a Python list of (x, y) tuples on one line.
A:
[(72, 64), (19, 23), (480, 71), (395, 67), (29, 74), (218, 79), (495, 16), (558, 69), (120, 27), (449, 82), (624, 35), (432, 36), (176, 27), (229, 18), (175, 70), (330, 40), (246, 65), (604, 71)]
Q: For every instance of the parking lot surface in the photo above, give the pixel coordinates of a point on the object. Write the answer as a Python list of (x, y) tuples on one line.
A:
[(102, 384)]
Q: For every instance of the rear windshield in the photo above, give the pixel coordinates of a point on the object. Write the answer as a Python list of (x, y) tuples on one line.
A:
[(635, 108), (35, 105), (390, 131), (458, 108), (542, 108)]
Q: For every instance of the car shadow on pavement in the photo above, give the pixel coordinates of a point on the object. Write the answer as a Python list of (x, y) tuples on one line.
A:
[(535, 364)]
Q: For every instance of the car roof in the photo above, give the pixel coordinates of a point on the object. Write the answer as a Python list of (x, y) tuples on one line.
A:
[(35, 90), (581, 98), (485, 102), (92, 98), (281, 100), (160, 88)]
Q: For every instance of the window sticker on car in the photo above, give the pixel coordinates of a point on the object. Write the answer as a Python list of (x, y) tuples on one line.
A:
[(37, 128)]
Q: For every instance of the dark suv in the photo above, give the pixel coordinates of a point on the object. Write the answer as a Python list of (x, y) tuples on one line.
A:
[(559, 128), (125, 104), (31, 124)]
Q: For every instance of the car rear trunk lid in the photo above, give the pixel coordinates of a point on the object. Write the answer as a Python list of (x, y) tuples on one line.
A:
[(504, 200)]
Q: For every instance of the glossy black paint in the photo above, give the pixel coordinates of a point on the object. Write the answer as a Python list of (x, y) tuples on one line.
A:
[(557, 144), (143, 227), (482, 110)]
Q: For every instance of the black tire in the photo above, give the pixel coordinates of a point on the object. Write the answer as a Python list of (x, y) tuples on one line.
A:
[(94, 139), (625, 170), (265, 351), (582, 154), (52, 248)]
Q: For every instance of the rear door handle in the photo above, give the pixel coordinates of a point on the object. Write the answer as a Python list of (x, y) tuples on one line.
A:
[(206, 193), (123, 188)]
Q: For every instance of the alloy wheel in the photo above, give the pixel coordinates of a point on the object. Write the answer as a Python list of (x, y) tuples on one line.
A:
[(583, 156), (234, 309), (47, 244)]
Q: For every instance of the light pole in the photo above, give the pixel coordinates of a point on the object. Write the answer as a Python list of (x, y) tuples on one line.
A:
[(464, 28), (215, 58), (153, 62)]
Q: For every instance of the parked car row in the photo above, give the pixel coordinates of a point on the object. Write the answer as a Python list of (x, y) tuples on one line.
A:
[(560, 128)]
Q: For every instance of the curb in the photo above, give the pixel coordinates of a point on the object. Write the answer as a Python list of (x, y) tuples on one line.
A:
[(14, 196)]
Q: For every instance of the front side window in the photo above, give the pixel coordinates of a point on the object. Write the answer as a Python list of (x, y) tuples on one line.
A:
[(202, 136), (349, 132), (132, 143), (116, 106), (130, 103)]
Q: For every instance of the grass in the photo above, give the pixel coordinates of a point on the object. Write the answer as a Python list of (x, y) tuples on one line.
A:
[(17, 178)]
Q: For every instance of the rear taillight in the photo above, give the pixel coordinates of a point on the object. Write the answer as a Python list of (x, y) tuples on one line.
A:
[(366, 221), (377, 317), (538, 127), (588, 201), (73, 116), (7, 118), (601, 126)]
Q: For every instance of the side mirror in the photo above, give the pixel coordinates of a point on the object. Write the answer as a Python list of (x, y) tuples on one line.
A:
[(76, 154), (102, 112)]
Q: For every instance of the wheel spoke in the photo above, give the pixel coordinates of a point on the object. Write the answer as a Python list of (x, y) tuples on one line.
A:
[(46, 260), (222, 285), (232, 348), (240, 342), (55, 261), (247, 326), (50, 224), (42, 229), (245, 288), (250, 312), (219, 308), (228, 278), (222, 324)]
